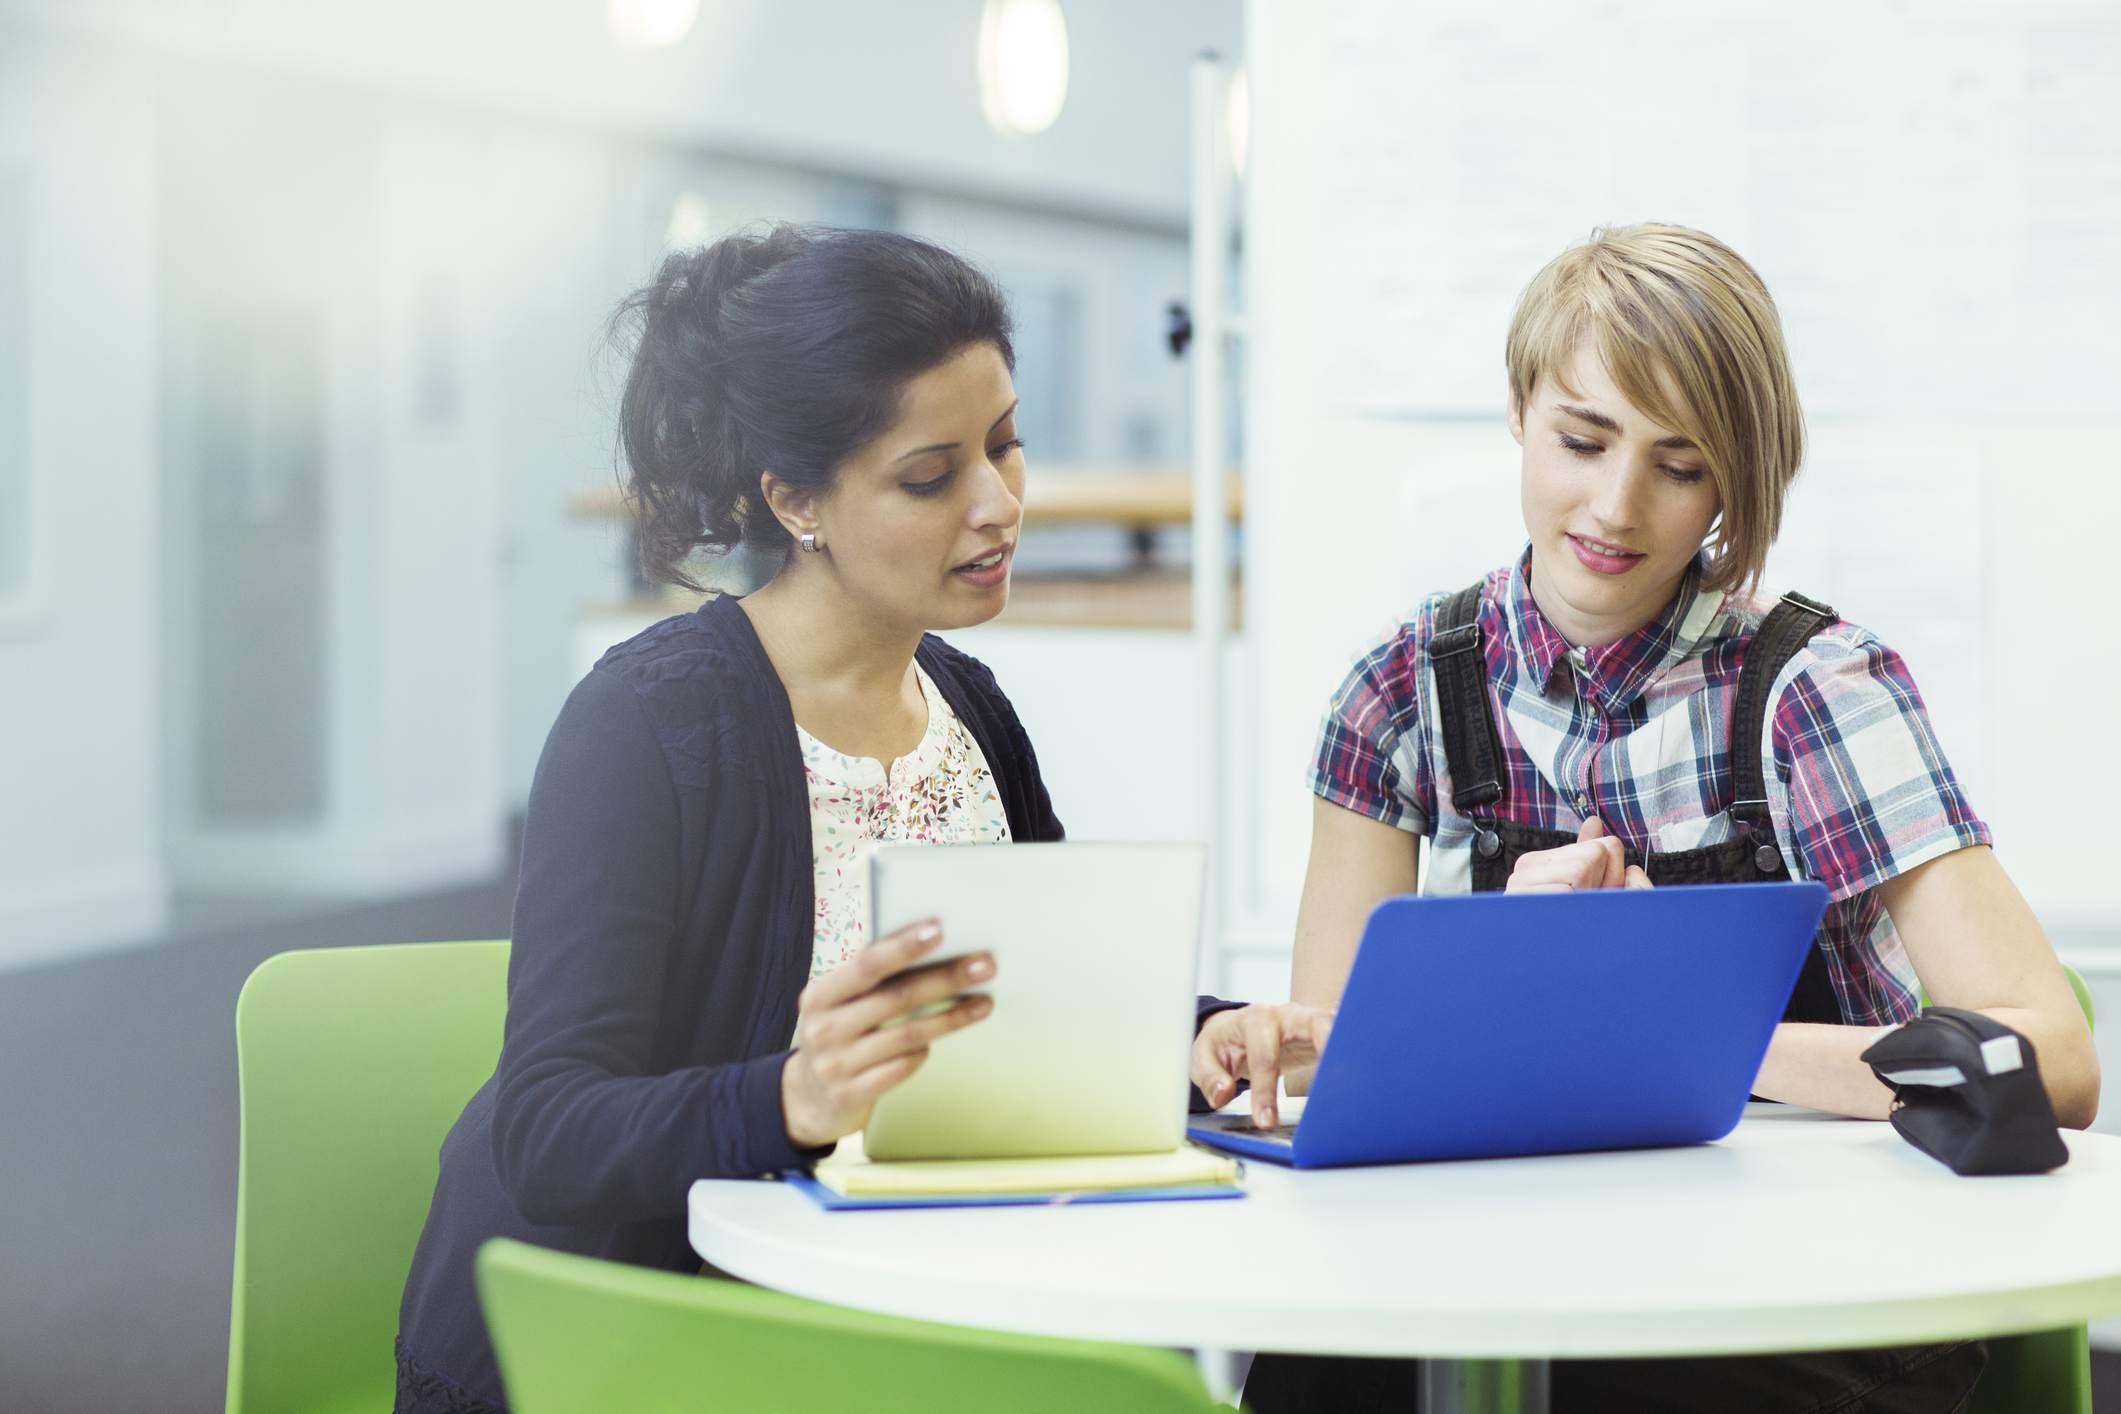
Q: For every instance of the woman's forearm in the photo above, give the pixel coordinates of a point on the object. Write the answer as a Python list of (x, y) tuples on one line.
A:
[(1820, 1067), (1817, 1066)]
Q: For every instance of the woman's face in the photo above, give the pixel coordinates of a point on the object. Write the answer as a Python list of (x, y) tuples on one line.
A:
[(1616, 505), (920, 525)]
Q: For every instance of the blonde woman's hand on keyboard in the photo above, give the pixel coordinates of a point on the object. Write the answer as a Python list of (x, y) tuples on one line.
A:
[(1596, 861), (861, 1029), (1257, 1043)]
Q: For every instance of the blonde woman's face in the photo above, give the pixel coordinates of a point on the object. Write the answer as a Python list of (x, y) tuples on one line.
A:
[(1617, 506)]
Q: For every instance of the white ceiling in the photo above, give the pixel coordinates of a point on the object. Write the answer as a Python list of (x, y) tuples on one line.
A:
[(883, 88)]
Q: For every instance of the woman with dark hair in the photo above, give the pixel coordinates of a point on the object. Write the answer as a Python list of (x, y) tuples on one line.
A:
[(689, 992)]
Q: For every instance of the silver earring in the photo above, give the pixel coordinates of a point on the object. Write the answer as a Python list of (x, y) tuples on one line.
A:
[(808, 540)]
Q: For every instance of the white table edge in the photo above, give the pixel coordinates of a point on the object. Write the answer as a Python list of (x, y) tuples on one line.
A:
[(730, 1235)]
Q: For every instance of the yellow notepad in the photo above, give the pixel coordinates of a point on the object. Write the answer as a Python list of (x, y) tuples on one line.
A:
[(850, 1172)]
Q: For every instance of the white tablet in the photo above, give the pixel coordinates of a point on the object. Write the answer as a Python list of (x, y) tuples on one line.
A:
[(1096, 949)]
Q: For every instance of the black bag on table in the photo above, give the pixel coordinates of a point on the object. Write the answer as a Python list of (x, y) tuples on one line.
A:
[(1967, 1092)]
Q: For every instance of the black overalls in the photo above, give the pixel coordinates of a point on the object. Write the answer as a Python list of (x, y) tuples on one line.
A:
[(1473, 750)]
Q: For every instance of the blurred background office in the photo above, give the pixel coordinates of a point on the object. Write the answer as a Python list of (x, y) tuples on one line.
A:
[(308, 517)]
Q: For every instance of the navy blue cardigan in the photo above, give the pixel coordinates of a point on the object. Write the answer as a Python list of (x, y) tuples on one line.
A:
[(663, 930)]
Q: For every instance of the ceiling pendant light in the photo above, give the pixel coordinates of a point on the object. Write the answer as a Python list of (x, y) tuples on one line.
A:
[(652, 24), (1023, 64)]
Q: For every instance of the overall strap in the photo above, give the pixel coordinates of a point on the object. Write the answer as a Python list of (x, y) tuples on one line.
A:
[(1470, 745), (1786, 629)]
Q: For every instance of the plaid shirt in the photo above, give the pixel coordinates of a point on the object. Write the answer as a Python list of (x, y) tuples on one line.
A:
[(1638, 732)]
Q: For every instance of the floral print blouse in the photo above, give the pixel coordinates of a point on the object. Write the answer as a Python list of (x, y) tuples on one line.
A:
[(941, 792)]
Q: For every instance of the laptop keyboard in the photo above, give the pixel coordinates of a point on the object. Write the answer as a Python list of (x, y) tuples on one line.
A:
[(1242, 1124)]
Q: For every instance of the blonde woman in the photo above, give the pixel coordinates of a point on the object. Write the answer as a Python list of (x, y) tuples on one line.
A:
[(1626, 711)]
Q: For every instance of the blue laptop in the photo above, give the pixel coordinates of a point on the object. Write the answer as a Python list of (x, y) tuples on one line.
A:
[(1483, 1025)]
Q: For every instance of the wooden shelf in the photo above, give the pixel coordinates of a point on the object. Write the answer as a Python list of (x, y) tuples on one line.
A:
[(1135, 497), (1151, 599)]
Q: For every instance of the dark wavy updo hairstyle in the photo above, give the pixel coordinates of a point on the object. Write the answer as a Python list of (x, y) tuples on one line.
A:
[(781, 352)]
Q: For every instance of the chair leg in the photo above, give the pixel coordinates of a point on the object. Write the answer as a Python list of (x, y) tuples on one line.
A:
[(1221, 1371)]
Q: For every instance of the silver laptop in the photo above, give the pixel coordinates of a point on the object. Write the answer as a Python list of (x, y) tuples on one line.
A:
[(1095, 950)]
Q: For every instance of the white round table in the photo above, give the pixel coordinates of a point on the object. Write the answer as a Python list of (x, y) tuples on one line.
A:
[(1798, 1231)]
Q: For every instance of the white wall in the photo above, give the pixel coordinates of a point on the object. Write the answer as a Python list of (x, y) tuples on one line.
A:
[(419, 766), (1933, 232), (559, 256), (79, 788), (364, 646), (2053, 501)]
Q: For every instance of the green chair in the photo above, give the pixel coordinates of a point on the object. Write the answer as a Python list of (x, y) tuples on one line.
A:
[(354, 1063), (2049, 1371), (580, 1336)]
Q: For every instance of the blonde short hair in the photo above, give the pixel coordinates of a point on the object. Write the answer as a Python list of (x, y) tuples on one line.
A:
[(1689, 334)]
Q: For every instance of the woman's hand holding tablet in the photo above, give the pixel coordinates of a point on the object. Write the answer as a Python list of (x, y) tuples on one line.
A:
[(848, 1052)]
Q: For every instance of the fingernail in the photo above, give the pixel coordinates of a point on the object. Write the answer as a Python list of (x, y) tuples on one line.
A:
[(1265, 1119), (927, 933), (979, 967)]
